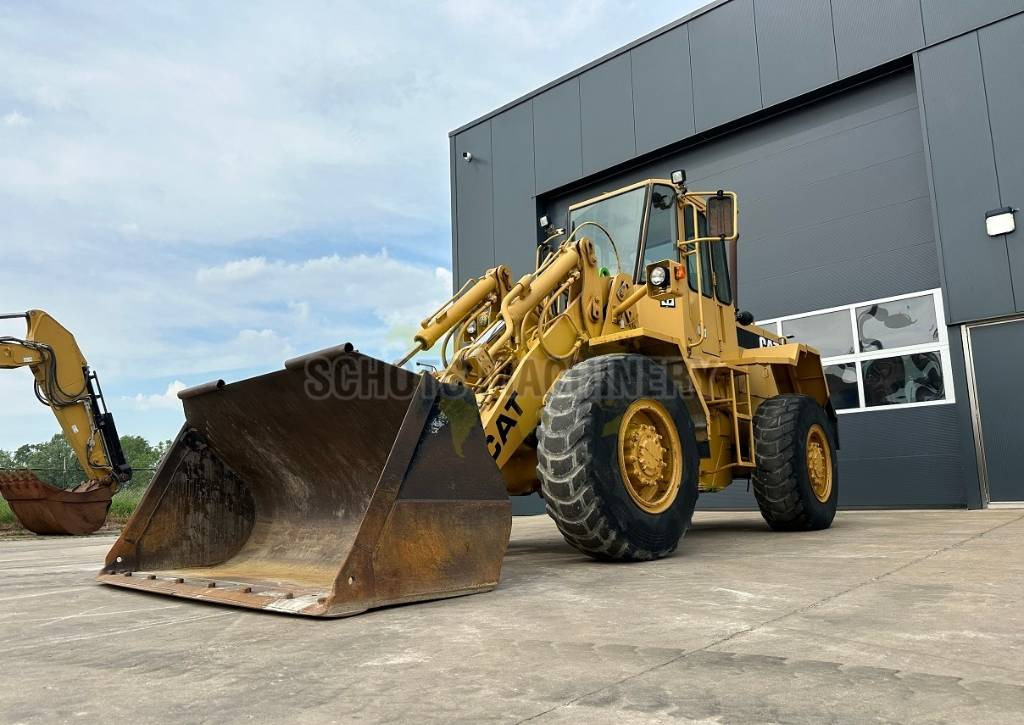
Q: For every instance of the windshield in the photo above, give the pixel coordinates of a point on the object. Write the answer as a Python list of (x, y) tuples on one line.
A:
[(621, 216)]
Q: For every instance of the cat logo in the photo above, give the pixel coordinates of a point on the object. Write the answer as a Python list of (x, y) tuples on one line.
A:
[(749, 339), (670, 302), (504, 424)]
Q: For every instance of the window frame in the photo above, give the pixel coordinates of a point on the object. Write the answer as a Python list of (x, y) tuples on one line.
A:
[(706, 262), (641, 270), (941, 346)]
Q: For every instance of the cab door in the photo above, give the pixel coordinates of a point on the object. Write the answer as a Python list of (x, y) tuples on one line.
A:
[(705, 310)]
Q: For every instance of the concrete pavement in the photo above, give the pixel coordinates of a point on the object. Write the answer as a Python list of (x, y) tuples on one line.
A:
[(890, 616)]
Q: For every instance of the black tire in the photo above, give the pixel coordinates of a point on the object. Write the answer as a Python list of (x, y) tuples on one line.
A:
[(782, 484), (578, 459)]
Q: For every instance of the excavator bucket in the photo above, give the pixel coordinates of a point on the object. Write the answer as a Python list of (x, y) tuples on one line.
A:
[(336, 485), (46, 509)]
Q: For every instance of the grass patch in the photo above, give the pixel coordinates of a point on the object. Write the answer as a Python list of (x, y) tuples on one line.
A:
[(6, 515), (122, 506)]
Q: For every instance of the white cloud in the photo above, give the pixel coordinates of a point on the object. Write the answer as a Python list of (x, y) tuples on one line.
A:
[(232, 271), (197, 194), (14, 118), (300, 309), (372, 300), (167, 399)]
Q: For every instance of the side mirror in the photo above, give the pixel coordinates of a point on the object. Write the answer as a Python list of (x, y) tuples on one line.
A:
[(721, 215)]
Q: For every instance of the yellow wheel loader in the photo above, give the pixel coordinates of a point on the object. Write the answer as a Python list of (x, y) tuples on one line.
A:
[(65, 383), (617, 380)]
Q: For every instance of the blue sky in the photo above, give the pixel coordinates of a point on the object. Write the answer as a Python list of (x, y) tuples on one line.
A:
[(201, 190)]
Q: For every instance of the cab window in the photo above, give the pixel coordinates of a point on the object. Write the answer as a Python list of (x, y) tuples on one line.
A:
[(705, 258), (614, 229), (723, 288), (662, 228)]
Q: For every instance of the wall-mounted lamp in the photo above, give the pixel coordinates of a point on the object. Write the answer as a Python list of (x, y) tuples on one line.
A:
[(1000, 221), (467, 156)]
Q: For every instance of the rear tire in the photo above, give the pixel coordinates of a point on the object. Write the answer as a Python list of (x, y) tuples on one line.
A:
[(598, 511), (796, 478)]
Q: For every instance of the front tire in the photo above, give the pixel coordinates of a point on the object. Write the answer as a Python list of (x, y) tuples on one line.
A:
[(617, 458), (796, 478)]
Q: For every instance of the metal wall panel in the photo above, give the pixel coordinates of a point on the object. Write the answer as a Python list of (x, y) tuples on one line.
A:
[(871, 32), (795, 47), (662, 90), (556, 133), (945, 18), (1002, 55), (515, 211), (963, 179), (474, 217), (723, 56), (925, 467), (606, 115)]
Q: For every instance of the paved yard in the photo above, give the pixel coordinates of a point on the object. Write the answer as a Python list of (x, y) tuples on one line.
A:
[(892, 616)]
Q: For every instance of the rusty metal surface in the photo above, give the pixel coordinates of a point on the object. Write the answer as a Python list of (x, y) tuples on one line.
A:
[(48, 510), (279, 497)]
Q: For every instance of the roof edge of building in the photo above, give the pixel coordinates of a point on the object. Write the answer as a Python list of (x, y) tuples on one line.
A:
[(592, 64)]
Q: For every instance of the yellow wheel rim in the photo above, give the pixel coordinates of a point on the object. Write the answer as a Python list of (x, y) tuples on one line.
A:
[(819, 463), (650, 455)]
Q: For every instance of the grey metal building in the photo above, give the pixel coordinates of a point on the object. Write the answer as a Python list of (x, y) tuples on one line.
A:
[(867, 140)]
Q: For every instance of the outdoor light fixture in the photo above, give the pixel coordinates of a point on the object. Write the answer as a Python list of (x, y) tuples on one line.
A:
[(659, 276), (467, 156), (1000, 221), (678, 177)]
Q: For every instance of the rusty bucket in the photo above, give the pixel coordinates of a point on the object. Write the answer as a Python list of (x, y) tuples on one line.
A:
[(46, 509), (336, 485)]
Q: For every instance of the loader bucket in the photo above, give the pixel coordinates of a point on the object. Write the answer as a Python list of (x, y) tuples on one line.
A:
[(336, 485), (46, 509)]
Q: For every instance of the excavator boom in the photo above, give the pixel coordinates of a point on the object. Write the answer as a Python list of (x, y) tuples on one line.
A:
[(65, 383)]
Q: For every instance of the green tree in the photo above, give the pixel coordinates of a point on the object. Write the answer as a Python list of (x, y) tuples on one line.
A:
[(53, 461), (143, 457)]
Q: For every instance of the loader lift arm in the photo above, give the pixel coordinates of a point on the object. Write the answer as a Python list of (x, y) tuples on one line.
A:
[(540, 328), (65, 383)]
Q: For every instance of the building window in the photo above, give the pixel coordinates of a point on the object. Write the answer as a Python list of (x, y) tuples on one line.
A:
[(888, 353)]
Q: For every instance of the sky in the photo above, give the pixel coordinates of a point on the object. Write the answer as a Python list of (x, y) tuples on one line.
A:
[(202, 190)]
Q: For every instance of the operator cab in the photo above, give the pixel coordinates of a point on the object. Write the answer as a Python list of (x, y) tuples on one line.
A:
[(639, 225)]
